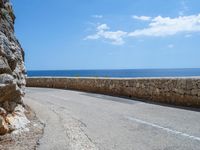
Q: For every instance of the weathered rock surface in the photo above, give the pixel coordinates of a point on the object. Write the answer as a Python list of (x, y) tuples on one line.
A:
[(12, 70), (25, 139), (3, 126)]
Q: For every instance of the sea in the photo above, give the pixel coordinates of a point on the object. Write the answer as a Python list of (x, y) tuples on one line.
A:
[(120, 73)]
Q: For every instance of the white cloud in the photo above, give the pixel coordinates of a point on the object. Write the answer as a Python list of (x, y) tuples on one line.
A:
[(188, 35), (116, 37), (166, 26), (103, 27), (170, 46), (184, 8), (157, 27), (97, 16), (143, 18)]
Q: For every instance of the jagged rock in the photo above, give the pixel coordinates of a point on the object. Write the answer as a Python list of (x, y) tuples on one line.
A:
[(3, 112), (12, 70), (6, 79), (3, 126), (4, 67), (9, 106), (17, 120)]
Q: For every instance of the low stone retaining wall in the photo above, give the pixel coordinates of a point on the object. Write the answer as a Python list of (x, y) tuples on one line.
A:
[(176, 91)]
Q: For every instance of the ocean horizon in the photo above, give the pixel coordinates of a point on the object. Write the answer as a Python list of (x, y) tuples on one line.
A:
[(117, 73)]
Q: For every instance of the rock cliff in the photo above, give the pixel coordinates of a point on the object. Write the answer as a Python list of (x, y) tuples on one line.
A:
[(12, 70)]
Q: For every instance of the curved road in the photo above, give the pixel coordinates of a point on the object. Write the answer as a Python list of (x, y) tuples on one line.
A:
[(83, 121)]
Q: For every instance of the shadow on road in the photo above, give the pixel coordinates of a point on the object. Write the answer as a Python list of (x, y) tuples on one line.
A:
[(111, 98), (136, 101), (118, 99)]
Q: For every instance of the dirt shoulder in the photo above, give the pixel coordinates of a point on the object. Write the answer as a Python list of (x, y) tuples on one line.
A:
[(26, 139)]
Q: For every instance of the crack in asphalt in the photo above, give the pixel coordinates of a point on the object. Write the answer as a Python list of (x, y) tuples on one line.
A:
[(76, 134)]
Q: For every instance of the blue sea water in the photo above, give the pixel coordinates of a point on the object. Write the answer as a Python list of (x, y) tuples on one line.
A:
[(125, 73)]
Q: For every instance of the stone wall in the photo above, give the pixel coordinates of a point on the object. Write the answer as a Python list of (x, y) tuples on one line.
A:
[(12, 70), (176, 91)]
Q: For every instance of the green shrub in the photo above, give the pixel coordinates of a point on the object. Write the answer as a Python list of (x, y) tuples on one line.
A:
[(4, 13)]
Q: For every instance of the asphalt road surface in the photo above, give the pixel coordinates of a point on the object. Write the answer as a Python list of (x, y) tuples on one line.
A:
[(84, 121)]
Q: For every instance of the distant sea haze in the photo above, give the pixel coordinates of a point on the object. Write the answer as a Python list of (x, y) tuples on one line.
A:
[(123, 73)]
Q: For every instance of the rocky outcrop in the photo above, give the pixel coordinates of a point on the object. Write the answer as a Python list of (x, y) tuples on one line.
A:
[(12, 70)]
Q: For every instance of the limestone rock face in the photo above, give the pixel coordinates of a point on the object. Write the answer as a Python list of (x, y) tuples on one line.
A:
[(12, 70), (3, 126)]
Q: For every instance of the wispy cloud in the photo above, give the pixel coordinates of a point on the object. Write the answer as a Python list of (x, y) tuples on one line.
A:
[(170, 46), (188, 35), (103, 32), (166, 26), (184, 8), (157, 27), (97, 16), (142, 18)]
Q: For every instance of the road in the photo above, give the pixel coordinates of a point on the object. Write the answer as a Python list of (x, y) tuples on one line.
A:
[(84, 121)]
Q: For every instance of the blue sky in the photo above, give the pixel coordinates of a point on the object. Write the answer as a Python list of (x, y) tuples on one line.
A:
[(109, 34)]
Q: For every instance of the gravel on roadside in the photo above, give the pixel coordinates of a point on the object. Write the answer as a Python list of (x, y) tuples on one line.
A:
[(26, 139)]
